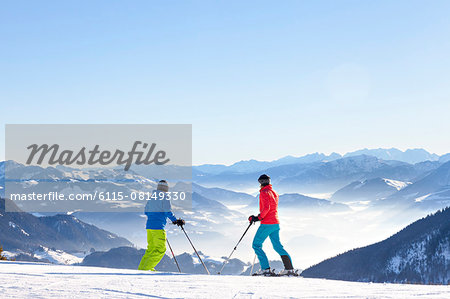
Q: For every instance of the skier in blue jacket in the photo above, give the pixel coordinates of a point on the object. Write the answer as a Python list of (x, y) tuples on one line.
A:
[(157, 209)]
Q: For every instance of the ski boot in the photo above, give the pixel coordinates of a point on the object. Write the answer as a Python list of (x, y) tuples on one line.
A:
[(290, 272), (265, 272)]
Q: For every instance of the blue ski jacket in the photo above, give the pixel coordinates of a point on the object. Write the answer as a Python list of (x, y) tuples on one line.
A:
[(158, 210)]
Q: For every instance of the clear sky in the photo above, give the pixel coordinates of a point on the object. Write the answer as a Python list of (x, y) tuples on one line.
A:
[(257, 79)]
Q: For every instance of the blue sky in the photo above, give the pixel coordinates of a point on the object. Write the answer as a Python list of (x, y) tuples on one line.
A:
[(257, 79)]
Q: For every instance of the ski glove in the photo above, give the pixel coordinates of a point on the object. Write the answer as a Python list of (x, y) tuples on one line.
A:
[(179, 222), (253, 219)]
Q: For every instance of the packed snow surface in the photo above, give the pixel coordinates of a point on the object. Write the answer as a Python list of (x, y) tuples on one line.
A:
[(34, 280)]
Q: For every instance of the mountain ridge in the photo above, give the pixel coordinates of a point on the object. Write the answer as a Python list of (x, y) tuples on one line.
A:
[(419, 253), (411, 156), (26, 232)]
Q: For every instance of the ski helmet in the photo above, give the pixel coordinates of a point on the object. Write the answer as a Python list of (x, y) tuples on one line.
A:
[(163, 186), (264, 180)]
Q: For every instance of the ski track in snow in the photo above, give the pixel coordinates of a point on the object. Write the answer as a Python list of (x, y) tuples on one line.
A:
[(35, 280)]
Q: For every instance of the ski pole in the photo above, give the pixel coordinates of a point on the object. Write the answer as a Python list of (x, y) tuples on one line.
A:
[(251, 270), (226, 261), (176, 262), (207, 271)]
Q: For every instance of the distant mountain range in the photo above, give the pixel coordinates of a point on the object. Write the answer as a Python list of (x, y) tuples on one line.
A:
[(26, 232), (129, 258), (254, 165), (316, 190), (28, 179), (207, 203), (320, 177), (420, 253), (411, 156)]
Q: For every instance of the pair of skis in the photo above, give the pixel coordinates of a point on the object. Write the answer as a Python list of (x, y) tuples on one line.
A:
[(272, 273)]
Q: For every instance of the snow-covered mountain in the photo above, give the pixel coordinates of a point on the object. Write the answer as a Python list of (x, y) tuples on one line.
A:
[(319, 177), (40, 180), (254, 165), (368, 190), (206, 217), (430, 192), (411, 156), (219, 215), (26, 232), (44, 254), (420, 253)]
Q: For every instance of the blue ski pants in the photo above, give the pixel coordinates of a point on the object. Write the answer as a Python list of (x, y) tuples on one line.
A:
[(273, 232)]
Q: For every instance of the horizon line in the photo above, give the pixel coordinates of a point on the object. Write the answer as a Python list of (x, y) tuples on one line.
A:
[(324, 153)]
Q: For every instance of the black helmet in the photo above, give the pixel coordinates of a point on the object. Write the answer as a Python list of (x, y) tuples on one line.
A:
[(264, 180)]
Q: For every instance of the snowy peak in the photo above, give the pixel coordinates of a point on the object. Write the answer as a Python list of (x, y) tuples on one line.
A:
[(399, 185)]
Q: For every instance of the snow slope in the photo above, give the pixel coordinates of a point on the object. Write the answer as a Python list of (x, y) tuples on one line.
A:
[(25, 280)]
